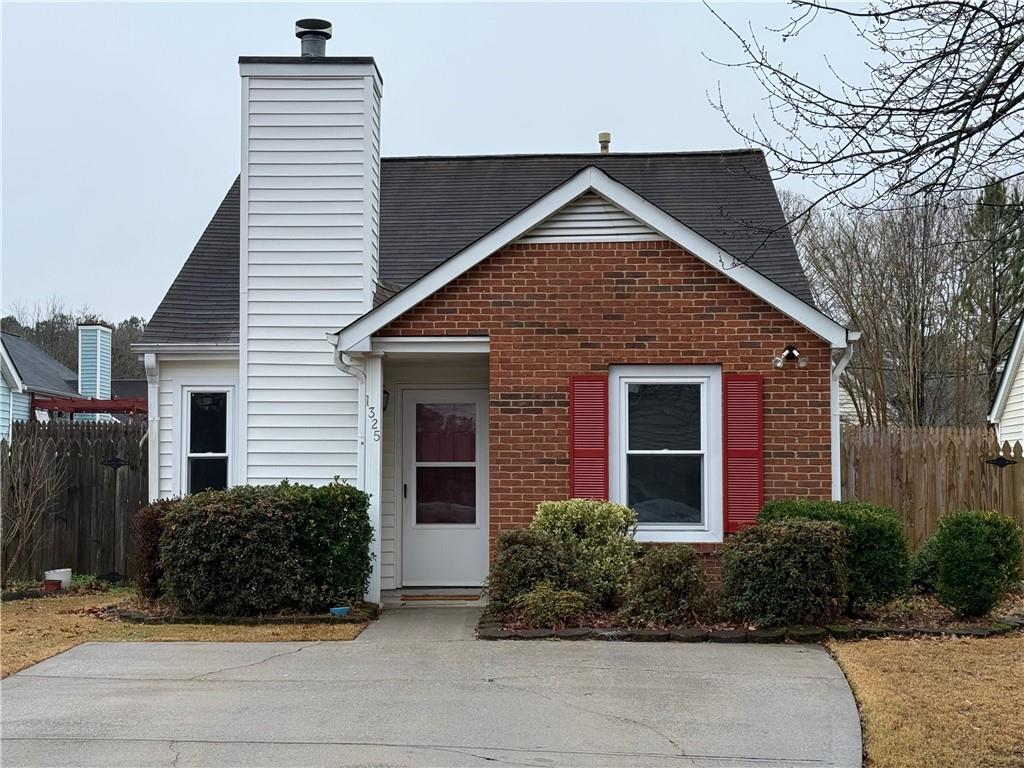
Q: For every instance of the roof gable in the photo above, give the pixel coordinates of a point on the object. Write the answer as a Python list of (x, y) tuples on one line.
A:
[(37, 370), (1011, 370), (587, 219), (356, 335), (435, 207)]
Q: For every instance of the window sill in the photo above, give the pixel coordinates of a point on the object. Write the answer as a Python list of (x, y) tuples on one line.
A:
[(680, 535)]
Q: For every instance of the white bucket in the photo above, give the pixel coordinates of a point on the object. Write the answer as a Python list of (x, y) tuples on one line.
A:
[(63, 575)]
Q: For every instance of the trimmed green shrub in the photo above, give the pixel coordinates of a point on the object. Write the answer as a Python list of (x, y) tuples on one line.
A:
[(786, 572), (924, 567), (522, 558), (599, 534), (877, 549), (251, 550), (546, 606), (147, 527), (667, 586), (979, 557)]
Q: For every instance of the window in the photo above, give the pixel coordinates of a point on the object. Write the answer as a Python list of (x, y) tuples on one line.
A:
[(206, 452), (666, 449)]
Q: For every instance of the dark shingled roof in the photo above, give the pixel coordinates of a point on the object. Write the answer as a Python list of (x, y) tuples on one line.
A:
[(434, 207), (37, 369)]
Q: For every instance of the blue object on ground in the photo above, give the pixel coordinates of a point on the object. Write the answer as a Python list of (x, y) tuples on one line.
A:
[(340, 611)]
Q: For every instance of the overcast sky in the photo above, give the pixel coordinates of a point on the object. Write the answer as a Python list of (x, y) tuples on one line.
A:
[(121, 122)]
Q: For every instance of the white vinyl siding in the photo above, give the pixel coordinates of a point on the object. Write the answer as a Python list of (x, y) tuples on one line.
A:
[(21, 406), (410, 375), (590, 218), (176, 378), (5, 408), (1011, 425), (310, 192)]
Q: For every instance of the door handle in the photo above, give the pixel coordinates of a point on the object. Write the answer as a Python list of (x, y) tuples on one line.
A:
[(405, 490)]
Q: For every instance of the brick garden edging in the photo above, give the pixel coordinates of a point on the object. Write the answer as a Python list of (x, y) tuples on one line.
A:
[(490, 628)]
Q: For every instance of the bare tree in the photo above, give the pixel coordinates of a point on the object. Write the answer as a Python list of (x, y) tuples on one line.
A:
[(34, 474), (937, 111)]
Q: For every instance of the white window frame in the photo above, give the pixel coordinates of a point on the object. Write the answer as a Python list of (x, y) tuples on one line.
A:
[(709, 378), (186, 432)]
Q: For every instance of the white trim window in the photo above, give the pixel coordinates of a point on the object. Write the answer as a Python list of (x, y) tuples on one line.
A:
[(665, 449), (207, 430)]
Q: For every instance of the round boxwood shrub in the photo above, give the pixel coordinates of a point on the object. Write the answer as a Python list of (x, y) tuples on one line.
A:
[(260, 549), (667, 586), (924, 567), (147, 526), (979, 556), (877, 549), (522, 558), (786, 572), (600, 536), (546, 606)]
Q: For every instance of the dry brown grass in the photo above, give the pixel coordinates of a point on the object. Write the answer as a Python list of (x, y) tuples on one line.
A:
[(939, 703), (33, 630)]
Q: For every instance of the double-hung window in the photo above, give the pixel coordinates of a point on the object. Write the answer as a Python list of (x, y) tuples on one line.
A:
[(665, 448), (207, 461)]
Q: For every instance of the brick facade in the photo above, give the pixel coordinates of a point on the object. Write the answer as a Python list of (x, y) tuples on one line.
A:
[(554, 310)]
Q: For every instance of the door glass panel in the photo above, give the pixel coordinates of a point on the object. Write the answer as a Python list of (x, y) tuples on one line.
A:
[(664, 416), (446, 495), (445, 432), (666, 488)]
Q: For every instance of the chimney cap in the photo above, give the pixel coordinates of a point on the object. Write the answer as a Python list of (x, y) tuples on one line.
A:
[(604, 140), (314, 27)]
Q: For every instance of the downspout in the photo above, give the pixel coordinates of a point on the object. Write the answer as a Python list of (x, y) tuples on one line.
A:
[(153, 423), (837, 371), (347, 365)]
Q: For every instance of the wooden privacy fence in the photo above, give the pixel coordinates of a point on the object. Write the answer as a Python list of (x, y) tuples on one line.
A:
[(927, 472), (69, 493)]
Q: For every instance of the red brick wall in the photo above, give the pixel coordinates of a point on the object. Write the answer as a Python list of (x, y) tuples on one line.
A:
[(554, 310)]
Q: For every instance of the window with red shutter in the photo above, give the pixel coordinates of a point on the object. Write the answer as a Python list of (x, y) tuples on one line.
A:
[(743, 444), (588, 436)]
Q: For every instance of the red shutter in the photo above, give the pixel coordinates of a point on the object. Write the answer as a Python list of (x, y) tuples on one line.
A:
[(743, 444), (588, 437)]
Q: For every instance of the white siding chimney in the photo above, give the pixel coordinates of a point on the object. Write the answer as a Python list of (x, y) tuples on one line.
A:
[(310, 191)]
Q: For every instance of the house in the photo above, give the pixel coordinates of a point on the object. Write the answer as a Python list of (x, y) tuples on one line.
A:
[(1007, 414), (33, 383), (463, 337)]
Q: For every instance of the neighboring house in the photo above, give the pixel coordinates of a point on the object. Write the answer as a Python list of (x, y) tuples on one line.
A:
[(1007, 414), (463, 337), (33, 382)]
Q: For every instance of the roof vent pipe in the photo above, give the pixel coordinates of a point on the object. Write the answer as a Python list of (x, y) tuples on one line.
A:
[(604, 140), (314, 34)]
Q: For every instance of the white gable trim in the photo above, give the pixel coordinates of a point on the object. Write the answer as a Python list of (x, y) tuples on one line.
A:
[(10, 370), (1010, 372), (356, 335)]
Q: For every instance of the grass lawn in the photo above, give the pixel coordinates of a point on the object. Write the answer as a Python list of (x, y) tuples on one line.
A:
[(33, 630), (939, 702)]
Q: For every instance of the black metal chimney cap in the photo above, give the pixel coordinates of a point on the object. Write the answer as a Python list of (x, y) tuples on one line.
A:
[(313, 28)]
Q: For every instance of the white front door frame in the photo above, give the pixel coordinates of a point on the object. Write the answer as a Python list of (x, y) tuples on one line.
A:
[(401, 394)]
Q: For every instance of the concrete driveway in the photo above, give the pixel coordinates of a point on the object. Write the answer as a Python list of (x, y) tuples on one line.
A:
[(416, 690)]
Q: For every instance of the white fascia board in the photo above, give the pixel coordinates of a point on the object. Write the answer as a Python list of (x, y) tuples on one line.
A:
[(11, 370), (1010, 371), (593, 179), (188, 351), (432, 344), (299, 69)]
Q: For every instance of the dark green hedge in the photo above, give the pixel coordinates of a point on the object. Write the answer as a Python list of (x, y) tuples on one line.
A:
[(260, 549), (786, 572), (147, 527), (979, 558), (523, 558), (667, 586), (877, 549)]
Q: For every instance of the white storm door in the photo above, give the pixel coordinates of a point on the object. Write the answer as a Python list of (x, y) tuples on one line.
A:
[(444, 487)]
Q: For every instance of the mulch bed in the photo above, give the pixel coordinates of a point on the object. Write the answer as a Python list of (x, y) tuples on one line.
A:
[(914, 616), (142, 611)]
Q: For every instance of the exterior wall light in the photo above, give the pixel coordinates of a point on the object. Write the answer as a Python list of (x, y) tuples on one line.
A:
[(789, 353)]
